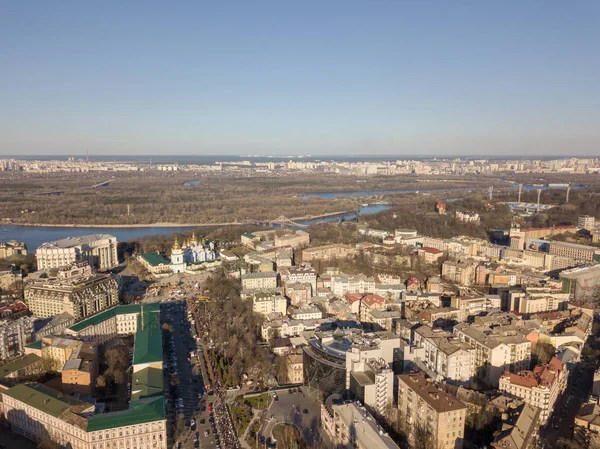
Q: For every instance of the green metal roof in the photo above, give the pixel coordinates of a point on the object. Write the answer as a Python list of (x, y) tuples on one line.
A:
[(110, 313), (147, 382), (249, 235), (147, 347), (18, 364), (155, 259), (147, 401), (35, 345), (140, 411), (43, 398)]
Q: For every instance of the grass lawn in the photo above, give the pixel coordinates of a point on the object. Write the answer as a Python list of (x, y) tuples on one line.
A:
[(258, 402), (241, 416)]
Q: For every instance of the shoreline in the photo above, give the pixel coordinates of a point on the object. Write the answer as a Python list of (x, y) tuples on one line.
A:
[(165, 225)]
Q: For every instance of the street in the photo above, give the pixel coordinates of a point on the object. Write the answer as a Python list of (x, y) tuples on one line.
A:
[(290, 408)]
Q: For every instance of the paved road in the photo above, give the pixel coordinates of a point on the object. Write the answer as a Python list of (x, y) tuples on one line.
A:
[(194, 409), (568, 404), (290, 408)]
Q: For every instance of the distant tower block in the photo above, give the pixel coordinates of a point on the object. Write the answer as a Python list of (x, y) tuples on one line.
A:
[(568, 191), (539, 191), (491, 189), (520, 189), (128, 210)]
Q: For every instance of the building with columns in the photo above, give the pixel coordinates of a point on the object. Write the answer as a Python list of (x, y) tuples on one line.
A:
[(99, 250)]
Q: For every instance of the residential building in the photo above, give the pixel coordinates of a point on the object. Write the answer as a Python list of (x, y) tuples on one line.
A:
[(268, 302), (99, 250), (430, 255), (586, 222), (469, 305), (459, 272), (304, 274), (76, 290), (372, 383), (306, 312), (295, 368), (446, 355), (296, 240), (350, 426), (14, 336), (423, 405), (257, 281), (327, 252), (540, 387), (519, 430), (495, 351)]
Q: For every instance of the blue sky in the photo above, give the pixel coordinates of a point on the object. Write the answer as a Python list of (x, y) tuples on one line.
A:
[(385, 77)]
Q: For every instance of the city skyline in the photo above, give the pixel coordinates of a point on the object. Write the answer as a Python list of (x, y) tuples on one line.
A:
[(354, 78)]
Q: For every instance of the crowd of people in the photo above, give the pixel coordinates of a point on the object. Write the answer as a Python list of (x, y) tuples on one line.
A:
[(229, 438)]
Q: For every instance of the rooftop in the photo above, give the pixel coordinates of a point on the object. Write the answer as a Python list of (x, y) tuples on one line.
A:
[(155, 259), (363, 426), (441, 402), (72, 242), (18, 364)]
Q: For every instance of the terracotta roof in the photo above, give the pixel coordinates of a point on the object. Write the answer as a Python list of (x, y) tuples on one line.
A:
[(369, 300)]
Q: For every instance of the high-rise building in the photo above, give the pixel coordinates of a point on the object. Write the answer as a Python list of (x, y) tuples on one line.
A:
[(99, 250)]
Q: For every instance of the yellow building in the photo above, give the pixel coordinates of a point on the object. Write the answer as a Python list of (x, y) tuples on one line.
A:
[(440, 414)]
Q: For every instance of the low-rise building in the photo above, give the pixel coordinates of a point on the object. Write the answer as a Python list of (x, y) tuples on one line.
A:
[(540, 387), (256, 281), (268, 302), (12, 248), (295, 368)]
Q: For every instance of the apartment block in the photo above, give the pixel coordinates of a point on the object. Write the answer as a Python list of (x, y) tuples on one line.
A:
[(267, 302), (540, 387), (14, 336), (469, 305), (446, 355), (421, 404), (495, 351), (459, 272), (327, 252), (259, 281)]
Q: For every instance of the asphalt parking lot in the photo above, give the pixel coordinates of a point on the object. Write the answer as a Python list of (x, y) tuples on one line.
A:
[(298, 409)]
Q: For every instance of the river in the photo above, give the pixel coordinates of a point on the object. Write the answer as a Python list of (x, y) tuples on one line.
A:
[(34, 236)]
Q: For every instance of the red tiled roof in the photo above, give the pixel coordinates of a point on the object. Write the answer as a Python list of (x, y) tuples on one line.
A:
[(430, 250), (353, 297), (369, 300)]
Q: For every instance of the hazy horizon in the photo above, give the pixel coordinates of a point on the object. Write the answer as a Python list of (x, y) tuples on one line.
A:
[(388, 78)]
